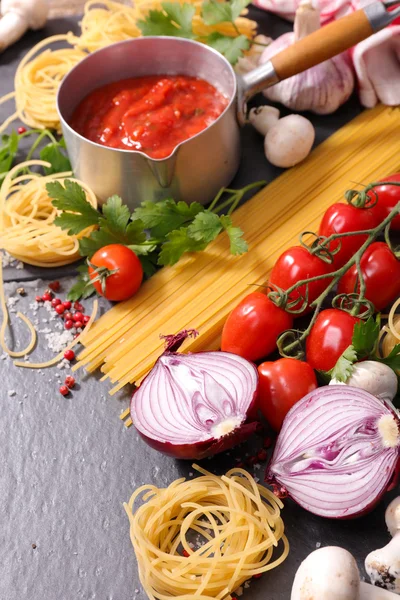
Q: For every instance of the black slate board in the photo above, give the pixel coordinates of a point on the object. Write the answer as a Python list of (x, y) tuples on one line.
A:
[(68, 464)]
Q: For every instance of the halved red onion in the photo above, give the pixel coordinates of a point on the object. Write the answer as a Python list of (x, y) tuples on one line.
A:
[(196, 405), (337, 451)]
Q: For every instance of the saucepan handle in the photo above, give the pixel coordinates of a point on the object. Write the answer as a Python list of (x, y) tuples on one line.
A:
[(314, 49)]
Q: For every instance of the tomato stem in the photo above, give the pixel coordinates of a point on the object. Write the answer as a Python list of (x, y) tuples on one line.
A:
[(296, 345)]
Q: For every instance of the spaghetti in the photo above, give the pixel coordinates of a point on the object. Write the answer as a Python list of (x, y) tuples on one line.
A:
[(27, 229), (236, 521), (201, 290), (390, 333)]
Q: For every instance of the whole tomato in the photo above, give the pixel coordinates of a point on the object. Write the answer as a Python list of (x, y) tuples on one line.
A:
[(381, 271), (253, 326), (116, 272), (342, 218), (329, 337), (387, 197), (295, 264), (281, 384)]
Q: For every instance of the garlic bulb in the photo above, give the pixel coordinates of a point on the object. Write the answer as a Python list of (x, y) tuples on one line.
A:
[(321, 89)]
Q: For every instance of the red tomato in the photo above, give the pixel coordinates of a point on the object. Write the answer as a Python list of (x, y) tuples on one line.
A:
[(128, 276), (295, 264), (253, 326), (381, 271), (331, 334), (388, 197), (281, 384), (342, 218)]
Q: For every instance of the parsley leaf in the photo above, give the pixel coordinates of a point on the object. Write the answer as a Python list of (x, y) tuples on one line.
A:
[(77, 213), (82, 288), (392, 360), (238, 244), (365, 337), (231, 47), (178, 242), (164, 216), (173, 20), (344, 366), (214, 12), (363, 345), (58, 160), (205, 227), (8, 152)]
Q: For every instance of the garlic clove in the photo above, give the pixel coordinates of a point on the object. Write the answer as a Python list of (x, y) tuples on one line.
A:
[(321, 89), (250, 60), (377, 64), (263, 118), (289, 141)]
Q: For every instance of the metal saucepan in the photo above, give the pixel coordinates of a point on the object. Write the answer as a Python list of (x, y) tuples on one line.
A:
[(201, 165)]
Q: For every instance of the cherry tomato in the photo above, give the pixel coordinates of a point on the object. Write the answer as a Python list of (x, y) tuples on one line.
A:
[(381, 271), (129, 273), (342, 218), (281, 384), (331, 334), (253, 326), (388, 197), (295, 264)]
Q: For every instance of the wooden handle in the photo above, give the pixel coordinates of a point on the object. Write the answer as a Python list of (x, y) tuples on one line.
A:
[(322, 44)]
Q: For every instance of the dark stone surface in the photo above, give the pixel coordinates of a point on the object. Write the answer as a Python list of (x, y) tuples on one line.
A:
[(68, 464)]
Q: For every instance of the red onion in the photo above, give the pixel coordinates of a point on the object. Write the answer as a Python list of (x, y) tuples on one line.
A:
[(196, 405), (337, 451)]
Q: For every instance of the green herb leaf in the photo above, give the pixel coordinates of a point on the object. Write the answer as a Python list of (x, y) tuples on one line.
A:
[(58, 160), (115, 216), (365, 337), (238, 244), (165, 216), (149, 263), (178, 242), (8, 151), (392, 360), (344, 366), (231, 47), (82, 288), (77, 213), (174, 20), (205, 227), (216, 12)]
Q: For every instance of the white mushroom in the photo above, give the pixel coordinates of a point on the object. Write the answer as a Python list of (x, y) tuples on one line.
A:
[(383, 565), (331, 573), (374, 377), (263, 118), (289, 141), (18, 16)]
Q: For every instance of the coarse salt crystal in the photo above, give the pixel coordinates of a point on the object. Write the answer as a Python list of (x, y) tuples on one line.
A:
[(58, 341), (318, 545), (20, 265), (11, 393)]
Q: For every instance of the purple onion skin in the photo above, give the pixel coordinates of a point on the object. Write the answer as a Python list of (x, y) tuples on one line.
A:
[(211, 447), (206, 448), (390, 485)]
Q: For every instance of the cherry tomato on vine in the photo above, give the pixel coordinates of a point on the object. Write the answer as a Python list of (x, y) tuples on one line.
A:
[(329, 337), (381, 270), (253, 326), (126, 279), (342, 218), (295, 264), (388, 196), (282, 383)]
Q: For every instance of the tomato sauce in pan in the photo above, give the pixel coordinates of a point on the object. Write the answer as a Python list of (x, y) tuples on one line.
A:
[(152, 114)]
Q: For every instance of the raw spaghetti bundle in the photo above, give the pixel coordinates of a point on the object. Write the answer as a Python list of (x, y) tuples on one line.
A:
[(27, 229), (236, 521), (104, 22)]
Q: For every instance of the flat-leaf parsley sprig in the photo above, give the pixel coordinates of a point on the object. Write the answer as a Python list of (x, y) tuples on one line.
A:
[(176, 20), (158, 232)]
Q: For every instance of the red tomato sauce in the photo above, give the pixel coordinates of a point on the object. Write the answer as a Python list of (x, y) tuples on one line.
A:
[(152, 114)]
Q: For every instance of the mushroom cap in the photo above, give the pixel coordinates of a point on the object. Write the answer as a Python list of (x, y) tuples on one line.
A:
[(392, 516), (289, 141), (34, 12), (329, 573)]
